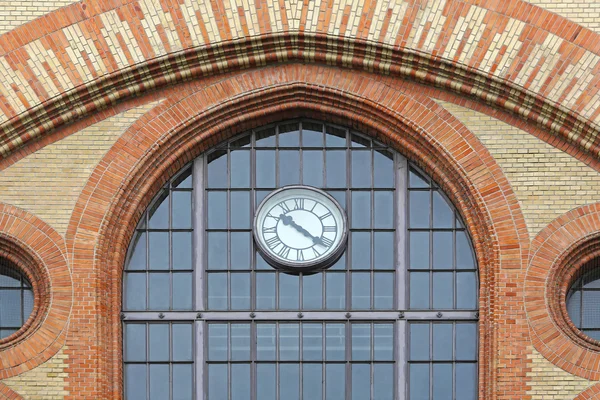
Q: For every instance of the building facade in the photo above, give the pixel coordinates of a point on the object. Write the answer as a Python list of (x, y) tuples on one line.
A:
[(456, 130)]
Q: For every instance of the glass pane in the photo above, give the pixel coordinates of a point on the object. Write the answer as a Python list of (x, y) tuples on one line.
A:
[(289, 167), (240, 210), (466, 341), (383, 342), (443, 216), (10, 308), (240, 168), (312, 292), (265, 291), (384, 250), (312, 342), (289, 381), (159, 381), (183, 180), (361, 210), (240, 291), (182, 342), (419, 209), (182, 210), (419, 250), (361, 168), (419, 382), (182, 291), (466, 381), (312, 134), (336, 168), (359, 141), (158, 336), (312, 382), (361, 381), (240, 342), (265, 138), (289, 291), (159, 291), (442, 341), (443, 286), (217, 250), (335, 137), (27, 304), (217, 291), (158, 214), (182, 381), (335, 384), (419, 342), (159, 250), (361, 250), (442, 250), (312, 168), (464, 255), (466, 290), (217, 204), (574, 307), (265, 342), (383, 382), (265, 168), (289, 135), (416, 180), (361, 290), (137, 259), (361, 342), (335, 290), (135, 342), (590, 314), (384, 169), (383, 210), (419, 290), (217, 382), (266, 381), (384, 290), (217, 169), (217, 342), (135, 291), (442, 381), (335, 335), (289, 342), (135, 381), (240, 381), (182, 250)]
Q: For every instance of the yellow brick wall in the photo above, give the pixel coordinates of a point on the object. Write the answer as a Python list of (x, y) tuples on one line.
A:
[(548, 382), (584, 12), (17, 12), (48, 182), (45, 382), (547, 182)]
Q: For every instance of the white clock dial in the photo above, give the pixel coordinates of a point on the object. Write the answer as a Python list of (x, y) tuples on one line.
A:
[(300, 228)]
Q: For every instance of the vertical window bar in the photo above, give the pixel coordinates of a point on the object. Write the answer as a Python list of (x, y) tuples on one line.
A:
[(198, 231), (401, 360), (401, 210), (199, 365)]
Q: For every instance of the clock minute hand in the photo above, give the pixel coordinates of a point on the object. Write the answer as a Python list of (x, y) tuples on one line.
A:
[(288, 220)]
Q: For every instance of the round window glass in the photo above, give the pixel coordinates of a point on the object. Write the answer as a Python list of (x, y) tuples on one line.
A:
[(16, 298), (583, 300)]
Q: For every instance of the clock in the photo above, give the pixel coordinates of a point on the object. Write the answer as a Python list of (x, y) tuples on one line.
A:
[(300, 229)]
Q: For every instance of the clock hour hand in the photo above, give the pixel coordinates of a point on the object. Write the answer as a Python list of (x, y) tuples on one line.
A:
[(288, 220)]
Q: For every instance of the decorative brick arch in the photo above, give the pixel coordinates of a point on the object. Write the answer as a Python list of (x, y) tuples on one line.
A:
[(40, 253), (556, 253), (193, 120), (591, 393), (92, 54), (7, 393)]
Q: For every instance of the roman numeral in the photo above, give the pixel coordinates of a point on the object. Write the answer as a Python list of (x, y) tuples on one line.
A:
[(298, 204), (270, 229), (330, 228), (326, 242), (317, 254), (284, 251), (284, 207), (322, 217), (273, 242), (300, 255), (273, 216)]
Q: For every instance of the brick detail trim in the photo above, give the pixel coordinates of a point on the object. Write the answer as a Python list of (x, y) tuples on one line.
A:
[(203, 115), (557, 252), (591, 393), (41, 253), (139, 55), (7, 393)]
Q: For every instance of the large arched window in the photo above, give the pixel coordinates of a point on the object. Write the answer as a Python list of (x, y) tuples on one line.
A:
[(205, 317)]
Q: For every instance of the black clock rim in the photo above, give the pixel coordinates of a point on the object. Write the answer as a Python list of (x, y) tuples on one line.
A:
[(290, 266)]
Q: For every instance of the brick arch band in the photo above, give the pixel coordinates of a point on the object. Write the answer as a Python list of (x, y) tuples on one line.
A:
[(92, 54), (203, 115)]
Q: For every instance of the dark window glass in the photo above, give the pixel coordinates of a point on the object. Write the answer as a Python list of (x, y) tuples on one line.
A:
[(583, 299), (16, 298)]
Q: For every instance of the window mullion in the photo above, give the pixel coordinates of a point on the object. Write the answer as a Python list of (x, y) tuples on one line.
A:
[(401, 357), (199, 234), (401, 177), (199, 358)]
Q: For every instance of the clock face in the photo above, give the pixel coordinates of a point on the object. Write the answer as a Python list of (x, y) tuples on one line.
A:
[(300, 228)]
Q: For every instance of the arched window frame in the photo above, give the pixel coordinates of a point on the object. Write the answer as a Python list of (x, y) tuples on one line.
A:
[(402, 316)]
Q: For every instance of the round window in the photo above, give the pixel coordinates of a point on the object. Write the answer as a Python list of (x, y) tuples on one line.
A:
[(16, 298), (583, 299)]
